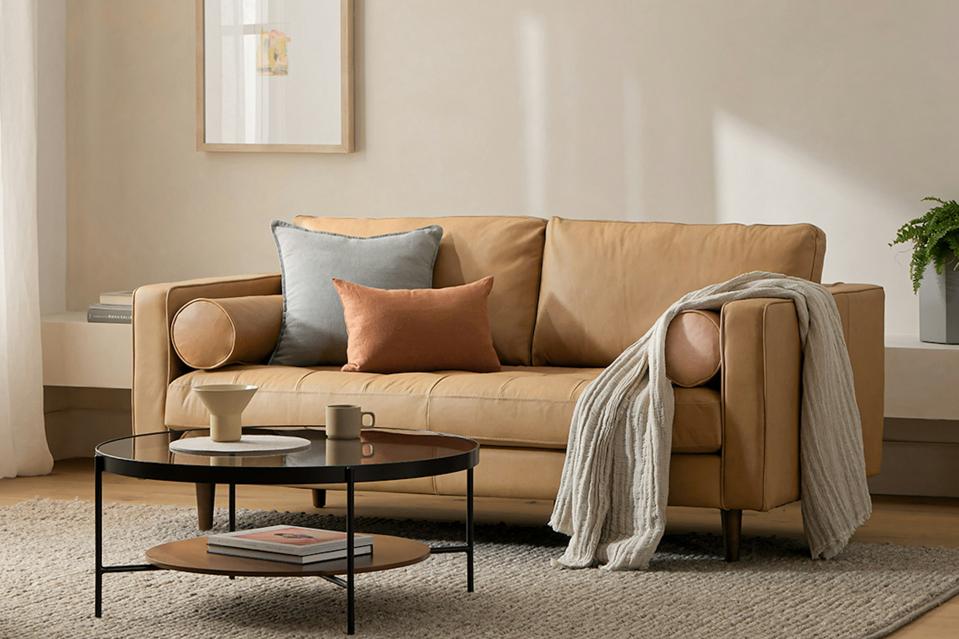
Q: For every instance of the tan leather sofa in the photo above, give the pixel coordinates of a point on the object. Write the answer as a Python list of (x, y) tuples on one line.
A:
[(569, 296)]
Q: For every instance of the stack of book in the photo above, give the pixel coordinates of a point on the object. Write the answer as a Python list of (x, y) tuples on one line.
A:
[(114, 308), (289, 544)]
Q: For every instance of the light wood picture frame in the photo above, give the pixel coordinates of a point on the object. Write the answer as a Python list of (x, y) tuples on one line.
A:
[(290, 81)]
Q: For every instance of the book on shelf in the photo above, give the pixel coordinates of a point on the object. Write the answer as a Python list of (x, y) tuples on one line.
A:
[(110, 314), (117, 298), (303, 560), (289, 540)]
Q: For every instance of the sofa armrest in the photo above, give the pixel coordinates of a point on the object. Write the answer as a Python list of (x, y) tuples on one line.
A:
[(861, 308), (155, 363), (761, 398), (761, 391)]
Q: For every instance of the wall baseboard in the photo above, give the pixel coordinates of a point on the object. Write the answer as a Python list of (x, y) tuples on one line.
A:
[(919, 457), (77, 419)]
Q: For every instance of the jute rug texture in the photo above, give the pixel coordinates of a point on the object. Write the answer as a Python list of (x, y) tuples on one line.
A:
[(46, 585)]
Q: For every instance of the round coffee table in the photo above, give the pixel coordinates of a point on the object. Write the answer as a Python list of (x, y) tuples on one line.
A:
[(380, 455)]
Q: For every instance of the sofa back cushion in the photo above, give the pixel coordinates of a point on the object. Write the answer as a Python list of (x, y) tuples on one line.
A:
[(508, 248), (605, 283)]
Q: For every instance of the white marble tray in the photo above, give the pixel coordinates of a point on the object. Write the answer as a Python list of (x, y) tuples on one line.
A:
[(250, 445)]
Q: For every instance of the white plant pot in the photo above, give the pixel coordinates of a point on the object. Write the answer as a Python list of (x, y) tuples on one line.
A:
[(939, 305)]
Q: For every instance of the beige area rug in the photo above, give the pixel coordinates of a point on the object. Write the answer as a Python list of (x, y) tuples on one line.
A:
[(46, 586)]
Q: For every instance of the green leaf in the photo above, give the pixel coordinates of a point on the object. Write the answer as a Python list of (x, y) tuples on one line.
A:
[(934, 236)]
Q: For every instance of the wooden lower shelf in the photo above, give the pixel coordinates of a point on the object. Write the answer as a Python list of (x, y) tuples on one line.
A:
[(190, 555)]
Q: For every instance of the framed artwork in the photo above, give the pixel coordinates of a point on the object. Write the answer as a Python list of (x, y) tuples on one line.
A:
[(274, 75)]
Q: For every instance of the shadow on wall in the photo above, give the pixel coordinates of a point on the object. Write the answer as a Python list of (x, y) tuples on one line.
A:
[(753, 112), (868, 95)]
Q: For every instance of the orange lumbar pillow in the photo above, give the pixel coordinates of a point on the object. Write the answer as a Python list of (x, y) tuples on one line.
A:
[(209, 333), (403, 330), (692, 348)]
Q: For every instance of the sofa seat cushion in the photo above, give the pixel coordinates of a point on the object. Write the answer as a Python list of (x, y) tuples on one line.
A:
[(523, 406)]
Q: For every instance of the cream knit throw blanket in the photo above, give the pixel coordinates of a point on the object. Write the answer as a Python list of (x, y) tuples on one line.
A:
[(614, 487)]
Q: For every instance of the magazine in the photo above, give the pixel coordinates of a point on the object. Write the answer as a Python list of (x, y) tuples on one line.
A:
[(319, 557), (289, 540)]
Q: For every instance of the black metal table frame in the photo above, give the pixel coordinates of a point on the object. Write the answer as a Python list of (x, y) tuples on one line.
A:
[(233, 476)]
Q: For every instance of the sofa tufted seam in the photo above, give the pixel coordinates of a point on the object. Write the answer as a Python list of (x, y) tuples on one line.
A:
[(263, 391)]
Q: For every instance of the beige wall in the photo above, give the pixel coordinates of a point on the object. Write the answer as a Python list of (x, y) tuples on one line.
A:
[(839, 113)]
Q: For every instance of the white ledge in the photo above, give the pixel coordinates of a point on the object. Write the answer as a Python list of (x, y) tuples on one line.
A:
[(922, 379), (92, 355)]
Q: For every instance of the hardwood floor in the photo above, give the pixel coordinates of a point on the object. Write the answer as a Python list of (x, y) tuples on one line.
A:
[(899, 520)]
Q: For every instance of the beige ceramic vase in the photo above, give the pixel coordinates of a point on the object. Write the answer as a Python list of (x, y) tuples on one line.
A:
[(225, 403)]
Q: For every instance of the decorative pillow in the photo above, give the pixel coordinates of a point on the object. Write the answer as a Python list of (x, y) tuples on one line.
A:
[(692, 348), (313, 331), (209, 333), (418, 330)]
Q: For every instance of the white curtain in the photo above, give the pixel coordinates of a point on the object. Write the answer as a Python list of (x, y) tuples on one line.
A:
[(23, 443)]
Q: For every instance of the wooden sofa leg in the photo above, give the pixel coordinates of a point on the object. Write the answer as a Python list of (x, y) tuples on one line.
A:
[(205, 494), (319, 498), (732, 530)]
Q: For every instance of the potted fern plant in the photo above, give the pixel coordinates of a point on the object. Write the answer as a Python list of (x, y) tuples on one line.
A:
[(934, 269)]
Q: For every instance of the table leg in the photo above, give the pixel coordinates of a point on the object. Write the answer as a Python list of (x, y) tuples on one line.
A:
[(98, 534), (350, 599), (469, 530), (232, 509), (100, 569), (205, 504)]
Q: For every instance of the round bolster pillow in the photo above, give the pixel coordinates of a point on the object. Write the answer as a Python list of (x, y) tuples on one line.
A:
[(692, 348), (209, 333)]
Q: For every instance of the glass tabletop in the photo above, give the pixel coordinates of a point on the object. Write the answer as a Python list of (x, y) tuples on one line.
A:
[(378, 454)]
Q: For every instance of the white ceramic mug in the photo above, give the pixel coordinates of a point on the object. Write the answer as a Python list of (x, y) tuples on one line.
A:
[(344, 421)]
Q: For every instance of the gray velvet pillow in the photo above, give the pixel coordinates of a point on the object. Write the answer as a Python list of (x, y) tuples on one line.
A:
[(313, 331)]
